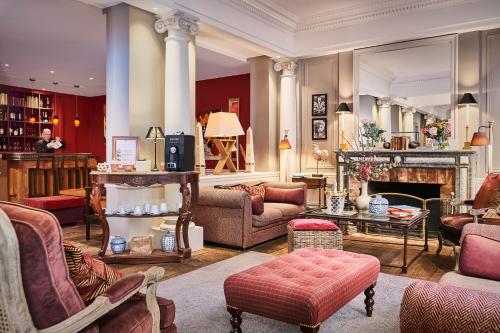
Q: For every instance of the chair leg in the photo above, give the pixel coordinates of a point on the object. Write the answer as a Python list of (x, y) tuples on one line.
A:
[(369, 302), (440, 245), (235, 319)]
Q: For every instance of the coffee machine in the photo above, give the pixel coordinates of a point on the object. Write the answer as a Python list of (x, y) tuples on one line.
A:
[(179, 152)]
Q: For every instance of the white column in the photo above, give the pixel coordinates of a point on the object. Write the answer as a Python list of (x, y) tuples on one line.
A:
[(179, 72), (384, 113), (288, 115), (179, 25), (408, 126)]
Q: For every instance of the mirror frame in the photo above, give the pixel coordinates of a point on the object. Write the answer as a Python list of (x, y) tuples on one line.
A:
[(452, 40)]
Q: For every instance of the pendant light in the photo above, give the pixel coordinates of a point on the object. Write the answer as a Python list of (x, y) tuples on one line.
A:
[(77, 117), (55, 117), (32, 118)]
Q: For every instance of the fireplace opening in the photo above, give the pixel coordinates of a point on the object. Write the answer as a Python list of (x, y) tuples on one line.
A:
[(421, 190)]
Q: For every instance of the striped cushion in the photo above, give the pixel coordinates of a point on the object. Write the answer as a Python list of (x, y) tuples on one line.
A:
[(304, 287), (91, 276)]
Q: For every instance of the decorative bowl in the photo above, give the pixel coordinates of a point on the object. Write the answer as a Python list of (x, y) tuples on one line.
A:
[(118, 244), (378, 205), (102, 167)]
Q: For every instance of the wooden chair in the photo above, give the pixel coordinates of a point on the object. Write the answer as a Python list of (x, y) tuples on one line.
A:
[(37, 294)]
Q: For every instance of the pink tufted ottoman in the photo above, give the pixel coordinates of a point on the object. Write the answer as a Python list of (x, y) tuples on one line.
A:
[(304, 287)]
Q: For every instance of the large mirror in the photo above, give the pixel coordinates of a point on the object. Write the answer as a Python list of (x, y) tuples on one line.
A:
[(405, 85)]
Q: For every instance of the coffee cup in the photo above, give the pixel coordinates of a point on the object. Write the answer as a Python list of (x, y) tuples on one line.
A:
[(138, 210), (155, 210), (147, 208), (163, 207), (121, 210)]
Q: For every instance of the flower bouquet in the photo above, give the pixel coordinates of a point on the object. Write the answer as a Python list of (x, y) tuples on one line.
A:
[(370, 133), (439, 131)]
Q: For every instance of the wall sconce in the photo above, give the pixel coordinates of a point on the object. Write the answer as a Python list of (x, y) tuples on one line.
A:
[(467, 100), (481, 139)]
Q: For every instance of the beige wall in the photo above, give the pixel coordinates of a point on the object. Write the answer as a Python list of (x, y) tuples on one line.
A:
[(264, 97), (318, 76), (146, 84)]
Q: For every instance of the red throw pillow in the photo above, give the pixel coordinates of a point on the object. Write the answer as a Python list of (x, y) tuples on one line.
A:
[(257, 204), (292, 195), (479, 256), (313, 224), (91, 276)]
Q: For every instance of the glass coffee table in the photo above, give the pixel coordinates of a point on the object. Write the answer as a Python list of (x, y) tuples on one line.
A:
[(367, 218)]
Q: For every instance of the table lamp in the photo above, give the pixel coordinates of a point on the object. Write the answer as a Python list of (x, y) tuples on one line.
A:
[(221, 126), (467, 100), (155, 133), (482, 139), (342, 109)]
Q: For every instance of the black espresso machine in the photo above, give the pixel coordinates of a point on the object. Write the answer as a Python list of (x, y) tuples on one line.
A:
[(179, 152)]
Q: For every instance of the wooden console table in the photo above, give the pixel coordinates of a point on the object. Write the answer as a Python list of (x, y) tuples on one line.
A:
[(314, 183), (145, 179)]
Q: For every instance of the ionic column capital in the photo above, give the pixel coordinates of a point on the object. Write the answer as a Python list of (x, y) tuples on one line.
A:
[(383, 101), (178, 21), (286, 65), (408, 109)]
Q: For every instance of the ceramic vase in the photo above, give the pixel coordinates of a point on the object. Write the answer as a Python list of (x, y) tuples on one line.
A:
[(118, 244), (379, 205), (335, 203), (168, 242), (363, 201)]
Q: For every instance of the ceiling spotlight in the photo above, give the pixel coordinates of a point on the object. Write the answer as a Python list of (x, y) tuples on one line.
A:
[(6, 65), (91, 78), (44, 89), (51, 72), (55, 83)]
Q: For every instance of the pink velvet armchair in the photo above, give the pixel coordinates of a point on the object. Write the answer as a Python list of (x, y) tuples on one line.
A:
[(38, 295), (467, 300)]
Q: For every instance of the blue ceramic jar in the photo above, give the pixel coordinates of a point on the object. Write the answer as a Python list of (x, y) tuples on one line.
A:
[(378, 205), (168, 242), (118, 244)]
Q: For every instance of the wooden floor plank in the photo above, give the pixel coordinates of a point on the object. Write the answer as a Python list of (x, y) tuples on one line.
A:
[(428, 266)]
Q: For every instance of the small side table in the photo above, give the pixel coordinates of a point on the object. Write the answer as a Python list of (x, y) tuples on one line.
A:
[(314, 183)]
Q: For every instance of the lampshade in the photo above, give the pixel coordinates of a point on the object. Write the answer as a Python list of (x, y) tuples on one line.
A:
[(480, 139), (77, 121), (223, 124), (285, 144), (155, 132), (467, 98), (343, 108)]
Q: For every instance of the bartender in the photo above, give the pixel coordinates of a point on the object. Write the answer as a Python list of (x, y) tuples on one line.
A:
[(47, 144)]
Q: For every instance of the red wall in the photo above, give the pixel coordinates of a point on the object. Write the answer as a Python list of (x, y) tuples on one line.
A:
[(214, 94), (89, 137)]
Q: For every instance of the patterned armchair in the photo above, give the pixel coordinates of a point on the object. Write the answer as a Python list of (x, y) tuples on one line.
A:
[(463, 301), (38, 295), (488, 196)]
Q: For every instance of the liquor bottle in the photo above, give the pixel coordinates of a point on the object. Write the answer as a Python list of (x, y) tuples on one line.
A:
[(20, 131)]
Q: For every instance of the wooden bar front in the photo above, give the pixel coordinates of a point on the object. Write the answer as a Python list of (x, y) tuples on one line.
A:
[(55, 171)]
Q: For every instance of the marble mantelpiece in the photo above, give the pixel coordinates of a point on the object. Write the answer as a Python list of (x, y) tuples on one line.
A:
[(422, 166)]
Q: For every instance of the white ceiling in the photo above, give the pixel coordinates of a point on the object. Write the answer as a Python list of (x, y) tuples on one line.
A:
[(65, 36), (210, 65)]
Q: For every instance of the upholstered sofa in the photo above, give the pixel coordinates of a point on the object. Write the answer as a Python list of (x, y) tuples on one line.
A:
[(467, 300), (226, 215)]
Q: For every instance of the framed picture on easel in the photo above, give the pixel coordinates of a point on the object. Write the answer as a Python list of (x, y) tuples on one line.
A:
[(125, 149)]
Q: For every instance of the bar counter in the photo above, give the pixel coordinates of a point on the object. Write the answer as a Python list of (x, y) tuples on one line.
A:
[(27, 174)]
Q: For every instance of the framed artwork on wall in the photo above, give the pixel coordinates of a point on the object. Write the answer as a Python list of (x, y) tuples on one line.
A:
[(125, 149), (319, 128), (319, 105), (234, 106)]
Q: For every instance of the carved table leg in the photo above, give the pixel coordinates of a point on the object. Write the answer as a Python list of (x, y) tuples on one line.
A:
[(95, 203), (235, 319), (369, 302), (184, 218)]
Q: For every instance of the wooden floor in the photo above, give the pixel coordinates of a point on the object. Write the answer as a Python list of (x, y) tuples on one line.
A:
[(427, 266)]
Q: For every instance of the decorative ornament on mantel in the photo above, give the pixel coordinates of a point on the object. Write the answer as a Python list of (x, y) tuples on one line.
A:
[(319, 155)]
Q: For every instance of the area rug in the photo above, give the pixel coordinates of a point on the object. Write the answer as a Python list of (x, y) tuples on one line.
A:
[(200, 305)]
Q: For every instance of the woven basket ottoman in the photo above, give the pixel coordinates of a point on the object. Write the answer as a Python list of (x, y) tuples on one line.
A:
[(67, 209), (313, 233), (302, 288)]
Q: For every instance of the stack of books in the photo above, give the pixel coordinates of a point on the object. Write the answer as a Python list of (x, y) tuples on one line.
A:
[(400, 142), (403, 212)]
